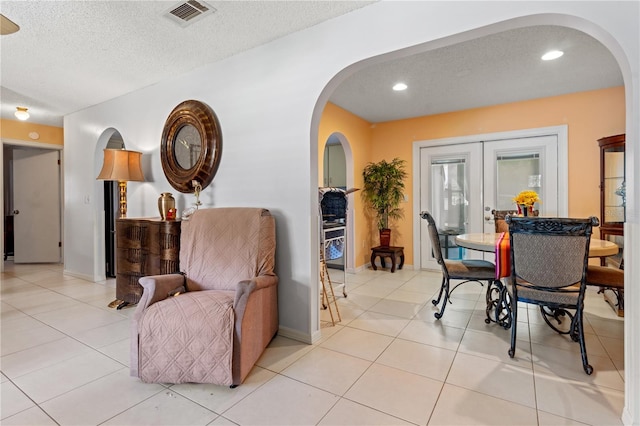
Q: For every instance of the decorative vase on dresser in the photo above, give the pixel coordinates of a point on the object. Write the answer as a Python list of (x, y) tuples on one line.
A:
[(144, 246), (165, 203)]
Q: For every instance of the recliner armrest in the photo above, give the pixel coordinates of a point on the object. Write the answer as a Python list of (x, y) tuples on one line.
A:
[(157, 288), (265, 281), (246, 287), (244, 290)]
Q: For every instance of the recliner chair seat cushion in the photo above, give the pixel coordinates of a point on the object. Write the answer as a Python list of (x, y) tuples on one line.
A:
[(188, 338)]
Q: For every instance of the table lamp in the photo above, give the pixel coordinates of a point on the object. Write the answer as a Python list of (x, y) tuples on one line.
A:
[(122, 166)]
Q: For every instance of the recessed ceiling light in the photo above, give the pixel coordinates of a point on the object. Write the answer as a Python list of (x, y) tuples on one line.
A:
[(552, 54), (398, 87)]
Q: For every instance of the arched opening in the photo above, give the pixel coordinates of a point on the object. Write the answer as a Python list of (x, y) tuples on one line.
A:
[(106, 196), (338, 172), (576, 23)]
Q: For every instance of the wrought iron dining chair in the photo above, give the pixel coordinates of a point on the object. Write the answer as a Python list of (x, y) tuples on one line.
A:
[(466, 270), (549, 268)]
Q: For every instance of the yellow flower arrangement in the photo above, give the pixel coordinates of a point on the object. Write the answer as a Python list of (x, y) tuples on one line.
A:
[(527, 198)]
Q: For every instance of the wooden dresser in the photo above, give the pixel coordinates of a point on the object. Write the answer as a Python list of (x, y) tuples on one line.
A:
[(144, 246)]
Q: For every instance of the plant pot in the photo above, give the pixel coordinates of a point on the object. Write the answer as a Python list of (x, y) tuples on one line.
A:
[(385, 237)]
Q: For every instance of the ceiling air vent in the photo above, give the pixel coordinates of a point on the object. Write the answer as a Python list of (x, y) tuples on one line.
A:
[(186, 13)]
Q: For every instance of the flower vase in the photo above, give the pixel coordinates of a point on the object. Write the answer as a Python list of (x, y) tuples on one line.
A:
[(525, 209), (166, 202)]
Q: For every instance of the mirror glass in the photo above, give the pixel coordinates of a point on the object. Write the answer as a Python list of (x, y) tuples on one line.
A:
[(335, 165), (187, 147)]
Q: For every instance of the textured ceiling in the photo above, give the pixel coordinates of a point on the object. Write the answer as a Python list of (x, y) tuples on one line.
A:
[(69, 55), (491, 70)]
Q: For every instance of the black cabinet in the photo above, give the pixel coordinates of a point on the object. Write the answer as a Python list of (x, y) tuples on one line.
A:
[(8, 236)]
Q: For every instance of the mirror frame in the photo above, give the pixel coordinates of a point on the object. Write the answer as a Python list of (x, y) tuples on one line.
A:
[(201, 116)]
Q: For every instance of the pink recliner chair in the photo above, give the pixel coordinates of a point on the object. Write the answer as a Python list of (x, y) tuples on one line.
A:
[(211, 322)]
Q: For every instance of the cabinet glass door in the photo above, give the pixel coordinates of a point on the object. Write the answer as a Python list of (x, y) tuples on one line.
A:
[(614, 185)]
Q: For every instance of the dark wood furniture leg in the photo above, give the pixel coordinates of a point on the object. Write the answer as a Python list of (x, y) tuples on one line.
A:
[(391, 252), (393, 262)]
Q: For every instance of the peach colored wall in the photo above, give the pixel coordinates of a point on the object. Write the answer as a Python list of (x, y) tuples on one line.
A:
[(19, 130), (588, 115), (357, 132)]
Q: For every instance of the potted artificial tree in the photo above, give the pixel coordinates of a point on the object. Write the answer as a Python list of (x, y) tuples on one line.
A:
[(383, 191)]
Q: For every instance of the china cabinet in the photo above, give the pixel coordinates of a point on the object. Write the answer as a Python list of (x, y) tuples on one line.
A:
[(612, 188)]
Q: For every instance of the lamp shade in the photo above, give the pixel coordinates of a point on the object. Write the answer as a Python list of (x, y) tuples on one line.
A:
[(121, 165)]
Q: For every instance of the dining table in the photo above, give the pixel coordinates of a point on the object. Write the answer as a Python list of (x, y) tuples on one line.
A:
[(490, 242), (487, 242)]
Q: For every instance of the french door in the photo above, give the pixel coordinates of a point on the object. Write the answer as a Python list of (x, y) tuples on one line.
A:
[(460, 183), (514, 165), (451, 190)]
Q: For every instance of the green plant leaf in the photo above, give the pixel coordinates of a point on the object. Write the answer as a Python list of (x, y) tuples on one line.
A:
[(383, 189)]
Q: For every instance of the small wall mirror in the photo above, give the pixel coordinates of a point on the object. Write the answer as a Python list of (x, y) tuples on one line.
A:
[(191, 146)]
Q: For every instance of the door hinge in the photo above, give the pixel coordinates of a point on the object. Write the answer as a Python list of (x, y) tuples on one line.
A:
[(58, 161), (59, 243)]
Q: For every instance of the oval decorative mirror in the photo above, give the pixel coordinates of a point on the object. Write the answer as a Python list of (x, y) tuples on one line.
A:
[(191, 146)]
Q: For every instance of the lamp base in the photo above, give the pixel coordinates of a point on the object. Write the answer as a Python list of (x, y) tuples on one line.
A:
[(122, 185)]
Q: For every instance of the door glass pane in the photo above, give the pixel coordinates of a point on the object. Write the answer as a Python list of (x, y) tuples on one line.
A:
[(517, 172), (449, 202)]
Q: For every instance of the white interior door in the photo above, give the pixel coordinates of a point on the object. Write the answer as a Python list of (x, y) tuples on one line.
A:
[(451, 191), (36, 201), (514, 165)]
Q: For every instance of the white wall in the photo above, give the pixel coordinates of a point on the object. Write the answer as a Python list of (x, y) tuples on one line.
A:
[(269, 100)]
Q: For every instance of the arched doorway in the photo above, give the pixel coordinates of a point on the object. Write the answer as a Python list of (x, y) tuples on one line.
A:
[(338, 170), (106, 196), (631, 341)]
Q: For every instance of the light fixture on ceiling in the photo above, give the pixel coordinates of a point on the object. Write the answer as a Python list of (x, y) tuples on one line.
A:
[(122, 166), (7, 26), (21, 113), (552, 54), (399, 87)]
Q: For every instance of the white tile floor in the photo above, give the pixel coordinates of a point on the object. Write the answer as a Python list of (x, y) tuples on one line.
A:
[(389, 362)]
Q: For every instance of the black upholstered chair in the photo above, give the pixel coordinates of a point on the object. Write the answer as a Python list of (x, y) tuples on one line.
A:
[(466, 270), (549, 269)]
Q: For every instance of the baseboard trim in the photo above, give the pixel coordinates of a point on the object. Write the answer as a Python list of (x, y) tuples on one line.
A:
[(298, 335), (78, 275)]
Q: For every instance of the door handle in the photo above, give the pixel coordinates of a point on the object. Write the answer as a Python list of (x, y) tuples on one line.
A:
[(16, 212)]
